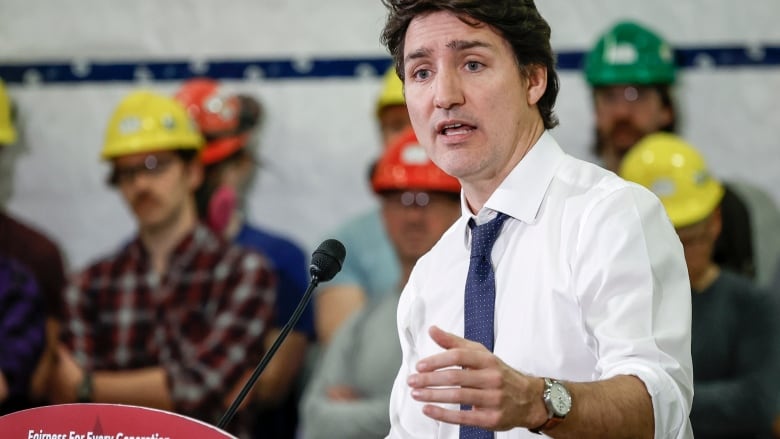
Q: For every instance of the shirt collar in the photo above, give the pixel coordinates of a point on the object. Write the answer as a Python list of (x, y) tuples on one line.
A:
[(521, 193), (191, 242)]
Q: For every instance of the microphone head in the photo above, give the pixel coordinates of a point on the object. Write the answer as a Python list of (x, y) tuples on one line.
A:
[(326, 261)]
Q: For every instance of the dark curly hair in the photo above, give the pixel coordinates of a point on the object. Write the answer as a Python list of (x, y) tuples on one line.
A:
[(517, 21)]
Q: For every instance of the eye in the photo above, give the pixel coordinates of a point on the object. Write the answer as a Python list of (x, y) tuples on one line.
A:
[(421, 74), (473, 66)]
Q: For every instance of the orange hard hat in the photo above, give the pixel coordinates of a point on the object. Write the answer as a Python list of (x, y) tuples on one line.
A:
[(224, 119), (405, 165)]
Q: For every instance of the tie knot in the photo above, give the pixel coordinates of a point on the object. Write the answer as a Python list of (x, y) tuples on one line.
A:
[(484, 236)]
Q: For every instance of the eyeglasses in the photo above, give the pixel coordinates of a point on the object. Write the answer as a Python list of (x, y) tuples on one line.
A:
[(404, 199), (152, 165)]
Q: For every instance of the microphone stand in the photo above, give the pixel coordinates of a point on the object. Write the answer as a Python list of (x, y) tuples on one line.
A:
[(231, 411)]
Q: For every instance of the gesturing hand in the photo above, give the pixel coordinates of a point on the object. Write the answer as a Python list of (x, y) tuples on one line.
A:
[(467, 373)]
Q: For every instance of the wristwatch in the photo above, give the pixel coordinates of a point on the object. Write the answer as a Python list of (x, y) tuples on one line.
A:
[(558, 402), (85, 389)]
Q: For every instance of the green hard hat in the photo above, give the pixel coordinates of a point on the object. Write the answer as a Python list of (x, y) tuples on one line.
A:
[(630, 54)]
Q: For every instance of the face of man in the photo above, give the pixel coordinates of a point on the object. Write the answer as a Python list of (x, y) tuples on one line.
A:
[(237, 173), (468, 102), (415, 220), (625, 114), (393, 120), (157, 187), (698, 243)]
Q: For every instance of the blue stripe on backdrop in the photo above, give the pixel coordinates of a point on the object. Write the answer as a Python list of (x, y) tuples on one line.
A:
[(288, 69)]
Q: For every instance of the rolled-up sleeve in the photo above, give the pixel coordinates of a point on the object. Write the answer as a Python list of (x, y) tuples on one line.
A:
[(636, 303)]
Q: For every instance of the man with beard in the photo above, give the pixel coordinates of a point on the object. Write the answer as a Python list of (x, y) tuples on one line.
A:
[(632, 71), (175, 319)]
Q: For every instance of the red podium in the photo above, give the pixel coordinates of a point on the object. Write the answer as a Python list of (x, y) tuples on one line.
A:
[(104, 421)]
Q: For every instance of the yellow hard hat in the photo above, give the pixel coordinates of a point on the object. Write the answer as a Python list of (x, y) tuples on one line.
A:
[(7, 130), (392, 91), (146, 121), (677, 174)]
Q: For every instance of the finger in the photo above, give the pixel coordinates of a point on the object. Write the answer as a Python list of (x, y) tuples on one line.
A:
[(456, 377), (64, 355), (458, 357), (482, 398), (480, 418), (448, 340), (62, 351)]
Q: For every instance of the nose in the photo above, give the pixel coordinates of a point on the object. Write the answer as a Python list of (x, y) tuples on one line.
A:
[(140, 180), (622, 108), (448, 91), (414, 215)]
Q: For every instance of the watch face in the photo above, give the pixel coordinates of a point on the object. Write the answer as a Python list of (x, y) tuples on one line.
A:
[(560, 399)]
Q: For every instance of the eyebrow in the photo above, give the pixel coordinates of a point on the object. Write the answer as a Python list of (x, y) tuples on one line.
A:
[(456, 45), (465, 45)]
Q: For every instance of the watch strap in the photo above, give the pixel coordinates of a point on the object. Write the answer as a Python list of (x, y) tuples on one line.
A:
[(548, 424)]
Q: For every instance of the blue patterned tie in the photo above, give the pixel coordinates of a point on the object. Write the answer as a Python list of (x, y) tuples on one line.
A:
[(480, 299)]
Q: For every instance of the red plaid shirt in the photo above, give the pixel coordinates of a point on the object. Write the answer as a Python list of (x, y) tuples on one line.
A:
[(202, 322)]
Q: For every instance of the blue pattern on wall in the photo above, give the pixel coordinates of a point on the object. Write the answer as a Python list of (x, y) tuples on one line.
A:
[(292, 69)]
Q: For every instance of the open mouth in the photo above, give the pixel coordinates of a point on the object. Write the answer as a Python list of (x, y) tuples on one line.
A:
[(454, 129)]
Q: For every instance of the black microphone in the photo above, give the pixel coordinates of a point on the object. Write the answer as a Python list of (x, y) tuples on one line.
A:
[(326, 261)]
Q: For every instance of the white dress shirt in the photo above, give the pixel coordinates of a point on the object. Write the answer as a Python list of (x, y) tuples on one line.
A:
[(591, 283)]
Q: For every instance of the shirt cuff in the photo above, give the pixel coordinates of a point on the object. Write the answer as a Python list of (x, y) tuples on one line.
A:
[(670, 407)]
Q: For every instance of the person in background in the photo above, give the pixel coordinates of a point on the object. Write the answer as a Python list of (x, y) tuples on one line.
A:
[(22, 333), (349, 394), (176, 318), (371, 270), (42, 257), (734, 342), (229, 122), (391, 113), (632, 71), (559, 301)]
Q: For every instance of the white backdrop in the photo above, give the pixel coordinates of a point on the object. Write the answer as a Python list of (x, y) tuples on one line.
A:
[(320, 133)]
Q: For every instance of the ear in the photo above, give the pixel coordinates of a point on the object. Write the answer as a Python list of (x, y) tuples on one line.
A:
[(716, 224), (194, 174), (537, 83), (666, 116)]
